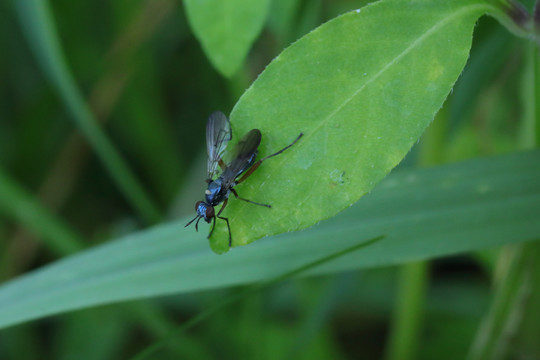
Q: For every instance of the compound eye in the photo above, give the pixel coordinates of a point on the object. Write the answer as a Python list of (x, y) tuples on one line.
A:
[(197, 205), (210, 212)]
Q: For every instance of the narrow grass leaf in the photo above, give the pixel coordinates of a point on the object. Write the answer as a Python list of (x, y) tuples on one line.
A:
[(18, 205), (423, 213)]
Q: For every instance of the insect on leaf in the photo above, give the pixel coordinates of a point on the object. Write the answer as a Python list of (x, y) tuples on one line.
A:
[(362, 88)]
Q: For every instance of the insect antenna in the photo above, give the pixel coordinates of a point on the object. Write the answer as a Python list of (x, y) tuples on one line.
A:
[(195, 218)]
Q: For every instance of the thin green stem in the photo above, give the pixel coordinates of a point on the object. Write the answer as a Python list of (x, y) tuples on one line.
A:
[(529, 134), (404, 340), (490, 341), (534, 58)]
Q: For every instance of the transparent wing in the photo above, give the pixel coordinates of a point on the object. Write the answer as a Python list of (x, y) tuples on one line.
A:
[(218, 134), (243, 156)]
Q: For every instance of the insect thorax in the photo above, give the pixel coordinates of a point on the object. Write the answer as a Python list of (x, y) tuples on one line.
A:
[(215, 193)]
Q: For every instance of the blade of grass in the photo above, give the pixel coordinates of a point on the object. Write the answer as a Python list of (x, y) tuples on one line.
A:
[(529, 134), (17, 204), (20, 206), (36, 20), (491, 341), (526, 336), (250, 291), (424, 213)]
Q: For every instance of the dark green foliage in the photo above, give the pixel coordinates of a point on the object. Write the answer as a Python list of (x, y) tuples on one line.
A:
[(102, 114)]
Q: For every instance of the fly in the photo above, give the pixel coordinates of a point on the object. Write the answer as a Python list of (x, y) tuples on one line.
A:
[(242, 165)]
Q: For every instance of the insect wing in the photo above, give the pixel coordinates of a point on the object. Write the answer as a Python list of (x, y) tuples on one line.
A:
[(218, 134), (243, 155)]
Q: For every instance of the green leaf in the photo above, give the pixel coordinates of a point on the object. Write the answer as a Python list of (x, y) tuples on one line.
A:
[(226, 29), (362, 88), (423, 213)]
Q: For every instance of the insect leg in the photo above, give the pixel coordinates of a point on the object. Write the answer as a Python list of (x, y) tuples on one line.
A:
[(222, 164), (229, 227), (226, 220), (285, 148), (249, 201), (222, 207), (223, 218), (258, 163), (213, 227)]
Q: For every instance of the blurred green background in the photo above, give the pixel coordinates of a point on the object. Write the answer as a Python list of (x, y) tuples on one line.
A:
[(148, 82)]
